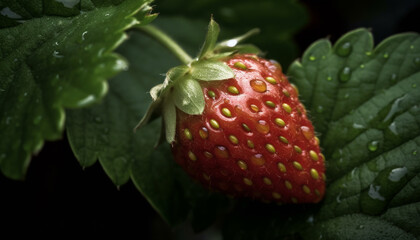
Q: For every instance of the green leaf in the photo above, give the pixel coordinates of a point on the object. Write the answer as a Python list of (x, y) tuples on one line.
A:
[(364, 102), (211, 39), (54, 56), (211, 71), (188, 96), (104, 131)]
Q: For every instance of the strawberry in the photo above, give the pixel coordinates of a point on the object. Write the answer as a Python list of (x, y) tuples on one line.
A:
[(236, 125)]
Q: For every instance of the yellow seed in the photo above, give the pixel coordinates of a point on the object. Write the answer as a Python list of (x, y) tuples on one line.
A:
[(288, 184), (187, 134), (314, 173), (233, 90), (240, 65), (226, 112), (192, 156), (297, 149), (233, 139), (317, 192), (211, 94), (271, 80), (247, 181), (208, 154), (306, 189), (281, 167), (286, 107), (245, 127), (283, 139), (317, 140), (324, 177), (313, 155), (270, 148), (297, 165), (214, 124), (204, 133), (294, 200), (286, 93), (276, 195), (250, 144), (242, 165), (267, 181), (254, 108), (295, 88), (322, 156), (279, 122), (270, 104)]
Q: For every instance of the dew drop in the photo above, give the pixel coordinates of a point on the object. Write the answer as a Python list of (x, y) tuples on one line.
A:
[(56, 54), (345, 74), (258, 159), (258, 85), (344, 50), (397, 174), (263, 127), (84, 35), (221, 152), (312, 58), (373, 146)]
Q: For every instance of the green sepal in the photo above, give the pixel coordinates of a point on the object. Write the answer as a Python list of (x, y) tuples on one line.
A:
[(233, 42), (211, 39), (169, 118), (175, 73), (188, 96), (211, 71), (152, 112), (146, 16)]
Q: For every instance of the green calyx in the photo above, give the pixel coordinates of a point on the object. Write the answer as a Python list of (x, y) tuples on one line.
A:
[(181, 88)]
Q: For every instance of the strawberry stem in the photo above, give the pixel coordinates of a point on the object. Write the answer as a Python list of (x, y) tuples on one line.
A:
[(166, 41)]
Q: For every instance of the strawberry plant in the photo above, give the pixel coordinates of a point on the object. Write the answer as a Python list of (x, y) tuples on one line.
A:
[(230, 144)]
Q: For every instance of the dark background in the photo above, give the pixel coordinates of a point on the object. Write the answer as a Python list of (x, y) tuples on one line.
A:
[(59, 198)]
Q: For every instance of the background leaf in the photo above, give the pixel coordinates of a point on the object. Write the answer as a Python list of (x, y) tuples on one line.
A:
[(278, 21), (49, 62)]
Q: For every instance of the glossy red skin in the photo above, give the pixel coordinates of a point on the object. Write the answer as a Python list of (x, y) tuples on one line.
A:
[(222, 173)]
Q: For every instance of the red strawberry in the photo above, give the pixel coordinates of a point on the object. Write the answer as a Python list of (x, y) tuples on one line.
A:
[(254, 138), (235, 124)]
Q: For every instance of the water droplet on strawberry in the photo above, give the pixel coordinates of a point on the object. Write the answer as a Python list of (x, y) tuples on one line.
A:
[(258, 85)]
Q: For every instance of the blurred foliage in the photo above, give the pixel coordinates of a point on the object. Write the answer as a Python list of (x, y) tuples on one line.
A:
[(278, 21)]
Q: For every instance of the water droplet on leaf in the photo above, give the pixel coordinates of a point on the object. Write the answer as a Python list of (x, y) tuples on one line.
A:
[(373, 146), (345, 74), (345, 49)]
